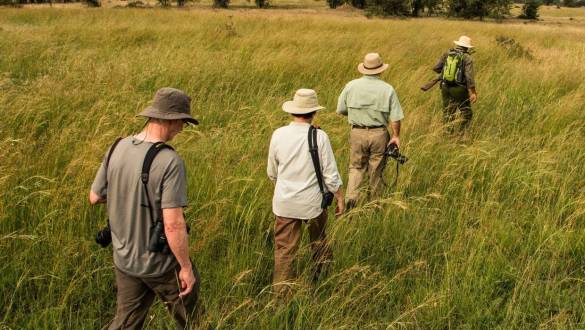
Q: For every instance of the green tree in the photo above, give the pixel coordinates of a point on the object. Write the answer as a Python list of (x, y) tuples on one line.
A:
[(388, 8), (530, 9), (221, 3), (478, 8)]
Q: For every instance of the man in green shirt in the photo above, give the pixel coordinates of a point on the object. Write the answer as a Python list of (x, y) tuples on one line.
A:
[(457, 84), (370, 105)]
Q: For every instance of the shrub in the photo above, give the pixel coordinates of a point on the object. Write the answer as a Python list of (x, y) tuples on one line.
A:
[(478, 8), (93, 3), (262, 3), (513, 47), (221, 3), (530, 9), (360, 4), (334, 3), (387, 8)]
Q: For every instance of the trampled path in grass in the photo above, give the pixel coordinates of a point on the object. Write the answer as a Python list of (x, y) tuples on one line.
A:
[(482, 232)]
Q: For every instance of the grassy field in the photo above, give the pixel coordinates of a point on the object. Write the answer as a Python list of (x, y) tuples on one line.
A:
[(487, 232)]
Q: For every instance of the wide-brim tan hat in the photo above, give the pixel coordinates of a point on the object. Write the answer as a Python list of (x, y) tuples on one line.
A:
[(372, 64), (304, 101), (464, 41), (170, 104)]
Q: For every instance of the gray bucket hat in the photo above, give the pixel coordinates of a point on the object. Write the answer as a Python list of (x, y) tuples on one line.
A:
[(170, 104)]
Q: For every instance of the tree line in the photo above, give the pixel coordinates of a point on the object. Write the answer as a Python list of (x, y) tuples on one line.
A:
[(467, 9)]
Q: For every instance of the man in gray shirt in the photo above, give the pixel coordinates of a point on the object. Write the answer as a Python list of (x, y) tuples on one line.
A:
[(141, 273)]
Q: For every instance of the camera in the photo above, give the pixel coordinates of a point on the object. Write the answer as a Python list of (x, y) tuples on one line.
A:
[(327, 200), (158, 240), (104, 237), (392, 151)]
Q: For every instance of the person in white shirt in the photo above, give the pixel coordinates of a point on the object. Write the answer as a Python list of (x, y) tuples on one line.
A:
[(297, 196)]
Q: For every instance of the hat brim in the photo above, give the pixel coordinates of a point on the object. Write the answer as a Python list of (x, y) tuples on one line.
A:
[(462, 44), (291, 108), (152, 112), (362, 69)]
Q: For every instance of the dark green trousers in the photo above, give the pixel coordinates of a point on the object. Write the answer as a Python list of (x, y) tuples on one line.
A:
[(456, 99)]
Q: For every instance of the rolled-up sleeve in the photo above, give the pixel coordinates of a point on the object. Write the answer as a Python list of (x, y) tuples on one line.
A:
[(396, 113), (331, 175), (439, 66), (342, 102), (272, 167)]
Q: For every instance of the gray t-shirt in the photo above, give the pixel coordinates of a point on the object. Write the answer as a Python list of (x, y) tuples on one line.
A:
[(128, 211)]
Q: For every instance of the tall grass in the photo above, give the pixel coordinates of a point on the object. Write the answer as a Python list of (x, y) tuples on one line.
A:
[(481, 233)]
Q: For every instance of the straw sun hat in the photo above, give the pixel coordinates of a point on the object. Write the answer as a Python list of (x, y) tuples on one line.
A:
[(304, 101), (372, 64), (464, 41)]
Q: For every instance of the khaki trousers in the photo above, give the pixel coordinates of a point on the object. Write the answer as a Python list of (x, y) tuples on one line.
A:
[(366, 153), (136, 295), (287, 235)]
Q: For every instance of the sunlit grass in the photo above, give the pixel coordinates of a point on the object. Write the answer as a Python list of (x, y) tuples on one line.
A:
[(479, 233)]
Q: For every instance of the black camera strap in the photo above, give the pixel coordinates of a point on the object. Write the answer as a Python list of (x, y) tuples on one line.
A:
[(145, 174), (315, 156), (107, 164)]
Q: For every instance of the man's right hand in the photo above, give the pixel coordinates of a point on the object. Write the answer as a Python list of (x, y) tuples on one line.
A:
[(187, 281), (473, 98), (340, 205)]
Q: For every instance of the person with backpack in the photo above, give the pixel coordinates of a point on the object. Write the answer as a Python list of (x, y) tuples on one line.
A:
[(372, 108), (457, 84), (144, 184), (302, 167)]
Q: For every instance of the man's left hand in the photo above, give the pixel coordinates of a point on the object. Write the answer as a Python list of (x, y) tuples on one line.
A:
[(395, 140)]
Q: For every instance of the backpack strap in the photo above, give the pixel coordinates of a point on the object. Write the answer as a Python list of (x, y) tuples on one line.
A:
[(315, 156), (145, 174)]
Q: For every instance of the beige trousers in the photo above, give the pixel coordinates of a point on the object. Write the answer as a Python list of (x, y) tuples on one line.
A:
[(287, 236), (366, 153)]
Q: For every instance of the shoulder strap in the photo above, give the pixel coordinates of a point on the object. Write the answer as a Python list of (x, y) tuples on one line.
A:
[(145, 174), (149, 158), (315, 156), (111, 152)]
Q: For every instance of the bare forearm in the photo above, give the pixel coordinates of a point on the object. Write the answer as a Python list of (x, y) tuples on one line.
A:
[(339, 194), (179, 244), (395, 125), (176, 232)]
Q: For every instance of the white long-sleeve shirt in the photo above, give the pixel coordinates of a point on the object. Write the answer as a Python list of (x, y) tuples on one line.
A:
[(296, 193)]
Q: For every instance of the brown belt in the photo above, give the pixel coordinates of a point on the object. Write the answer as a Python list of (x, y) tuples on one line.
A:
[(366, 127)]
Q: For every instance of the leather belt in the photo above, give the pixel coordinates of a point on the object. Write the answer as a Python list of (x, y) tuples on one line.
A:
[(366, 127)]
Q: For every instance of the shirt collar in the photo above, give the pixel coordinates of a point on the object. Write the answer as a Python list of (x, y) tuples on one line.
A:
[(376, 77), (299, 124)]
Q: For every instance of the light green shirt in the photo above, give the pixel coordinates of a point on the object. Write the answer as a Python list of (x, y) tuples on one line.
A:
[(369, 101)]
